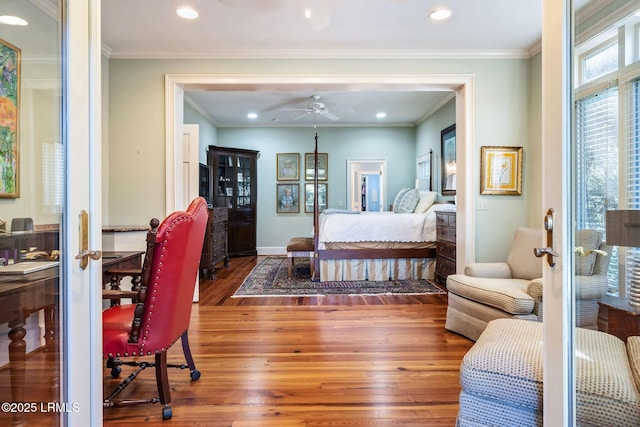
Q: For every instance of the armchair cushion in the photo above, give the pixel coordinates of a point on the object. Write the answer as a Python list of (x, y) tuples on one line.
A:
[(589, 240), (521, 259), (495, 270), (509, 295)]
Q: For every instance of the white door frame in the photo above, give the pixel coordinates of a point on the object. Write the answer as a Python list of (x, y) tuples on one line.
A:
[(556, 193), (81, 290), (462, 84), (353, 196)]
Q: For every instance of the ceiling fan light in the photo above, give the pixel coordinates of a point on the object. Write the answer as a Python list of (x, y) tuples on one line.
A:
[(187, 12), (12, 20), (440, 14)]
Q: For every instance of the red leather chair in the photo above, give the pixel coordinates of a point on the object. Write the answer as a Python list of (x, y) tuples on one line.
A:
[(162, 313)]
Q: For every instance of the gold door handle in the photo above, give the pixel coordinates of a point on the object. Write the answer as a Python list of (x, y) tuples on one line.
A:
[(85, 253), (540, 252)]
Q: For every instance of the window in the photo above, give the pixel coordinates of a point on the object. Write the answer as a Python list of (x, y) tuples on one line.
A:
[(600, 62), (597, 164), (52, 177)]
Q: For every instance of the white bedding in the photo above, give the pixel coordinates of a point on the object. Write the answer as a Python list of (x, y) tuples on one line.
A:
[(379, 226)]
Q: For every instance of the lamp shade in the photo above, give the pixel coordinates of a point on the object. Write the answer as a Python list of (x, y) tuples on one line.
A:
[(623, 228)]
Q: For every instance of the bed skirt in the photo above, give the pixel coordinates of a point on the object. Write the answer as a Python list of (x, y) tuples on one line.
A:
[(377, 269)]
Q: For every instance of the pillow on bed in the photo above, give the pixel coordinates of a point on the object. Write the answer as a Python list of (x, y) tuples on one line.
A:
[(409, 201), (427, 198), (398, 199)]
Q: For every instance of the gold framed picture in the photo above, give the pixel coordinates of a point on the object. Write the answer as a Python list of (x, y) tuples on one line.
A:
[(309, 195), (10, 59), (288, 165), (323, 166), (501, 170), (288, 198)]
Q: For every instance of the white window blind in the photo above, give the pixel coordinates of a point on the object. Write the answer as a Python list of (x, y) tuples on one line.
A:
[(632, 156), (597, 168), (53, 176)]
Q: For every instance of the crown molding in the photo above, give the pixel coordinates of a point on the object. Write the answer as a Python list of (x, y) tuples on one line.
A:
[(323, 54)]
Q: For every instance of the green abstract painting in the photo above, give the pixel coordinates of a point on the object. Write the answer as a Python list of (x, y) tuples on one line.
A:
[(9, 109)]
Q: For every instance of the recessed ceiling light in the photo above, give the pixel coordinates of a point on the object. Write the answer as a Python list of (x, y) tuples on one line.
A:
[(187, 12), (307, 13), (12, 20), (381, 115), (440, 14), (252, 115)]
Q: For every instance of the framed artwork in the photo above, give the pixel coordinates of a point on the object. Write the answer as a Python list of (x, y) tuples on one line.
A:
[(309, 195), (9, 110), (448, 155), (288, 165), (323, 166), (501, 170), (288, 198)]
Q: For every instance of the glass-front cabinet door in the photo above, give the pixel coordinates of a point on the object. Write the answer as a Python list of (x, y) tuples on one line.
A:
[(234, 175)]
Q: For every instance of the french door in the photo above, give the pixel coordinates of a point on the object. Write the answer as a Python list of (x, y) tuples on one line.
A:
[(50, 343)]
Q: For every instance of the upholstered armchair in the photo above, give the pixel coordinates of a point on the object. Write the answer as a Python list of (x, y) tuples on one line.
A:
[(161, 315), (513, 289)]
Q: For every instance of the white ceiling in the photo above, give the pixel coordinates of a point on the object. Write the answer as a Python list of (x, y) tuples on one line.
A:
[(392, 29)]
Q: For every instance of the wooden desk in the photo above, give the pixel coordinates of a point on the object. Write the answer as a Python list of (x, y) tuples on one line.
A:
[(24, 294)]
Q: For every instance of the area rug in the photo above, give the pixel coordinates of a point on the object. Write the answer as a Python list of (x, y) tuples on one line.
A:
[(269, 279)]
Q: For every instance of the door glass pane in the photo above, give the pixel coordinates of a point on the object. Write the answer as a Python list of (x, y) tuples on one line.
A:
[(31, 201)]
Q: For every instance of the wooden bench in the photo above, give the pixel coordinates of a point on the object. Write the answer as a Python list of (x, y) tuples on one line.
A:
[(299, 247)]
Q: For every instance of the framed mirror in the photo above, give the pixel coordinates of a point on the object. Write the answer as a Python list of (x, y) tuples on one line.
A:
[(448, 156)]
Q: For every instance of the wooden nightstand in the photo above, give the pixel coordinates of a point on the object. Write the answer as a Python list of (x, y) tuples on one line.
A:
[(624, 319), (445, 246)]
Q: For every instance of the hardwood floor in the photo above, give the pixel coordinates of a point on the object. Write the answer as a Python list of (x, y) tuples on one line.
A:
[(309, 361)]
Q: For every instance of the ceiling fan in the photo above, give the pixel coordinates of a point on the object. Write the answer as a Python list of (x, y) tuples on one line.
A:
[(314, 106)]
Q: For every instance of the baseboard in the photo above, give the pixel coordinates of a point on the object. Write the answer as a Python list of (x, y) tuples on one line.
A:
[(274, 250)]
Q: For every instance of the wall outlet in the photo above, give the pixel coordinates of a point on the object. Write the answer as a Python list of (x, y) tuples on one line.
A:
[(483, 205)]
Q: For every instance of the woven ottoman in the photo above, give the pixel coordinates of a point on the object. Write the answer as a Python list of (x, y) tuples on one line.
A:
[(501, 378)]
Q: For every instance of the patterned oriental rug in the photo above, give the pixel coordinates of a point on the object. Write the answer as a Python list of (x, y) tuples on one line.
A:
[(269, 279)]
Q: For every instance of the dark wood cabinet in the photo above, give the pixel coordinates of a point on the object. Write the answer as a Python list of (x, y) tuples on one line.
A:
[(445, 246), (214, 249), (623, 318), (234, 186)]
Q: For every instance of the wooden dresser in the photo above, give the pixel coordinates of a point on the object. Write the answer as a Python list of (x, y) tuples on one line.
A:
[(445, 246), (214, 249)]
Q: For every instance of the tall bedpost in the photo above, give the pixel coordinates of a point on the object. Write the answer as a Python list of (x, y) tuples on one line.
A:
[(316, 260)]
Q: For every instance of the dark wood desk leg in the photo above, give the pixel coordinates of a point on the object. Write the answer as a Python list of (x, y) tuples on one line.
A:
[(17, 357), (115, 286), (51, 345)]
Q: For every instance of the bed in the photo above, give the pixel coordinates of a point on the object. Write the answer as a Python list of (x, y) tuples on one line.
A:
[(374, 245)]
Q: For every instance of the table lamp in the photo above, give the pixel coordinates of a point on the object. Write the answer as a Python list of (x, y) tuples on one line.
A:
[(623, 229)]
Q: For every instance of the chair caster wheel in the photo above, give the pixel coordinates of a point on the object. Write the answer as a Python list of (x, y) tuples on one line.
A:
[(195, 375), (167, 413), (115, 371)]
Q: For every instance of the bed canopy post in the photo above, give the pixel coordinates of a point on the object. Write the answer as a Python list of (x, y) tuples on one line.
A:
[(316, 261)]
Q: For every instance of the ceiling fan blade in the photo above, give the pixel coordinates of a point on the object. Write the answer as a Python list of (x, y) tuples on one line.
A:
[(303, 115), (330, 116)]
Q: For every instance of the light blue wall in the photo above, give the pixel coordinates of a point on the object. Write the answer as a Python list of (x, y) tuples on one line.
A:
[(396, 145), (501, 116), (208, 133), (428, 138)]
